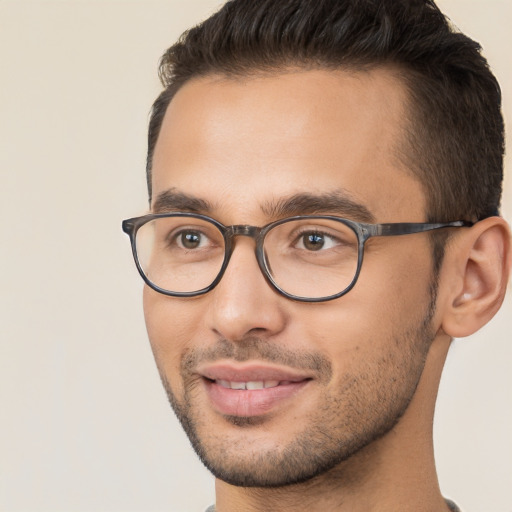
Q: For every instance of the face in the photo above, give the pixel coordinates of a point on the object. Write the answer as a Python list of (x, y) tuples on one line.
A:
[(273, 391)]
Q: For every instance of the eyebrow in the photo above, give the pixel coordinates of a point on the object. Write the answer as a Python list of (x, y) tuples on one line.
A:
[(174, 201), (338, 203)]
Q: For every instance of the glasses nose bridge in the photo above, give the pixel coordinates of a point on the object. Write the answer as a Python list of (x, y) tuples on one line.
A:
[(244, 230), (253, 232)]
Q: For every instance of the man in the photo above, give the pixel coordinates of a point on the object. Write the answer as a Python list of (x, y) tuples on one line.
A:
[(294, 140)]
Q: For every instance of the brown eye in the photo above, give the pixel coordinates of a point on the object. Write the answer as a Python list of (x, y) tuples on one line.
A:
[(190, 240), (313, 241)]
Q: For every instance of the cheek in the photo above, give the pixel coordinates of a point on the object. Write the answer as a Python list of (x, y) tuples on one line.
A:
[(170, 324), (387, 304), (395, 280)]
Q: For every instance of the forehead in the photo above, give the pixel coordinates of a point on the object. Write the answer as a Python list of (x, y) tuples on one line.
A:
[(242, 143)]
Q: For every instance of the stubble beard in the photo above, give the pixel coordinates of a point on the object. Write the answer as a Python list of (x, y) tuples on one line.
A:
[(367, 407)]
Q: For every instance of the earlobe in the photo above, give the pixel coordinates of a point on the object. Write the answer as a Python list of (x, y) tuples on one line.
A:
[(477, 266)]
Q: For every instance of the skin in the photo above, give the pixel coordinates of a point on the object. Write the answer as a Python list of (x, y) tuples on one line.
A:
[(240, 145)]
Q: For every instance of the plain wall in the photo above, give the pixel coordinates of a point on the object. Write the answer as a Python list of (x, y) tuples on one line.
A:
[(84, 423)]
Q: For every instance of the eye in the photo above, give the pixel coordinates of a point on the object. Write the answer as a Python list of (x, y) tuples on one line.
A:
[(315, 241), (191, 240)]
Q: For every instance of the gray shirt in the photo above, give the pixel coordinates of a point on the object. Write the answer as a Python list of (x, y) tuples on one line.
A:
[(450, 504)]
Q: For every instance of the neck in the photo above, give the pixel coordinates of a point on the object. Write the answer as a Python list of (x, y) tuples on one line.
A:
[(396, 472)]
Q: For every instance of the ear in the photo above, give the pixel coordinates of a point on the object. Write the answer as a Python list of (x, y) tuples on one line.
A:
[(474, 276)]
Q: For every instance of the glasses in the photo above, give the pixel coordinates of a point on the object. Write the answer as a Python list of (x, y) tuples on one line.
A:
[(309, 258)]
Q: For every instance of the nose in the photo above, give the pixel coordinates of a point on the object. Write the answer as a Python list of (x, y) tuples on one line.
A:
[(243, 303)]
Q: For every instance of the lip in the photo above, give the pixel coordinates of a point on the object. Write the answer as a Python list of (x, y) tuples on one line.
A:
[(250, 402), (250, 372)]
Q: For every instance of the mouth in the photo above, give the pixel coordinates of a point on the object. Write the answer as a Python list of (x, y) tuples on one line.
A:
[(252, 384), (251, 389)]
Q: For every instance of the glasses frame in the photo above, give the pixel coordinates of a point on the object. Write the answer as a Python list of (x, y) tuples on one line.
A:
[(362, 230)]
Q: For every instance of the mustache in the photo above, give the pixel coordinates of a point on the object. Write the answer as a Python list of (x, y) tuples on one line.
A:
[(254, 348)]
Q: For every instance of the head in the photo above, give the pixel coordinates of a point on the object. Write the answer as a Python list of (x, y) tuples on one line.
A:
[(269, 106)]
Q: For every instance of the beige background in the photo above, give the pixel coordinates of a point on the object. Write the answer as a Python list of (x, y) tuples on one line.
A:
[(84, 423)]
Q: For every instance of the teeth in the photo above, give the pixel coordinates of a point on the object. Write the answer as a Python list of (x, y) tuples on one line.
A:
[(259, 384), (254, 385)]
